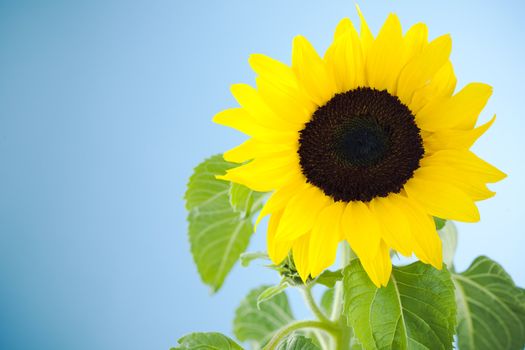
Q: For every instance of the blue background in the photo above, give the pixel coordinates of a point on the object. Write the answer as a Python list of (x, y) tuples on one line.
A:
[(106, 106)]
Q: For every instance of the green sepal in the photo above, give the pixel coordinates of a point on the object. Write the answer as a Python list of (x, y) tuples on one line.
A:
[(248, 257), (271, 292), (329, 278), (440, 223)]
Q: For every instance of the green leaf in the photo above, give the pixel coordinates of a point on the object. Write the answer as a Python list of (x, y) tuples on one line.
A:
[(449, 237), (218, 233), (247, 258), (491, 309), (440, 223), (297, 342), (329, 278), (244, 200), (271, 292), (258, 325), (206, 341), (416, 310)]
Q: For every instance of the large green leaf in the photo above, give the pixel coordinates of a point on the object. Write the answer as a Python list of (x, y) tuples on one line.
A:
[(218, 233), (491, 309), (416, 310), (244, 200), (258, 324), (297, 342), (206, 341)]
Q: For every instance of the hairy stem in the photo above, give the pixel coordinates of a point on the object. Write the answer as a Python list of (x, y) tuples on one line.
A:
[(345, 336), (346, 254), (345, 333), (338, 302), (309, 299), (323, 339), (286, 330)]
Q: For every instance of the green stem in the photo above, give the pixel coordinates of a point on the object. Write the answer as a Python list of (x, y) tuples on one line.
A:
[(338, 302), (346, 255), (345, 333), (286, 330), (345, 336), (309, 299), (322, 338)]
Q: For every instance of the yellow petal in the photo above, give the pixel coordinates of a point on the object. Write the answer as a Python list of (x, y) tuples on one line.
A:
[(300, 251), (442, 85), (252, 148), (280, 89), (378, 267), (465, 161), (265, 174), (416, 38), (395, 228), (301, 213), (441, 199), (280, 198), (455, 139), (385, 58), (285, 102), (311, 71), (427, 244), (457, 112), (344, 59), (273, 70), (253, 103), (465, 181), (366, 35), (361, 229), (277, 251), (240, 119), (344, 27), (422, 67), (325, 238)]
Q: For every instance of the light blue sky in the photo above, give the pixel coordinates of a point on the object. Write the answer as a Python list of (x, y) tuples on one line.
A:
[(106, 106)]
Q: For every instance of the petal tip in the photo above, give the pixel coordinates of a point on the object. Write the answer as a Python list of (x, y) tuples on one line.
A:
[(375, 282), (236, 88), (224, 177), (299, 39), (222, 117), (217, 118)]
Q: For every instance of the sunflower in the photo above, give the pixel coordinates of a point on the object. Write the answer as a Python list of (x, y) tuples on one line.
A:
[(365, 144)]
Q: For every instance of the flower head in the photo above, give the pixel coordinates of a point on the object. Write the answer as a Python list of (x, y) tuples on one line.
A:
[(365, 144)]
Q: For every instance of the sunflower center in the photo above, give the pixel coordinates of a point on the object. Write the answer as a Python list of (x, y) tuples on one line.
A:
[(362, 144)]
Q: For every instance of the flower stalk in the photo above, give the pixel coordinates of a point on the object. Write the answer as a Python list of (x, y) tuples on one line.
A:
[(310, 302), (329, 328)]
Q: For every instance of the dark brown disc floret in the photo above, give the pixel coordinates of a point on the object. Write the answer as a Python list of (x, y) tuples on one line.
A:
[(361, 144)]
